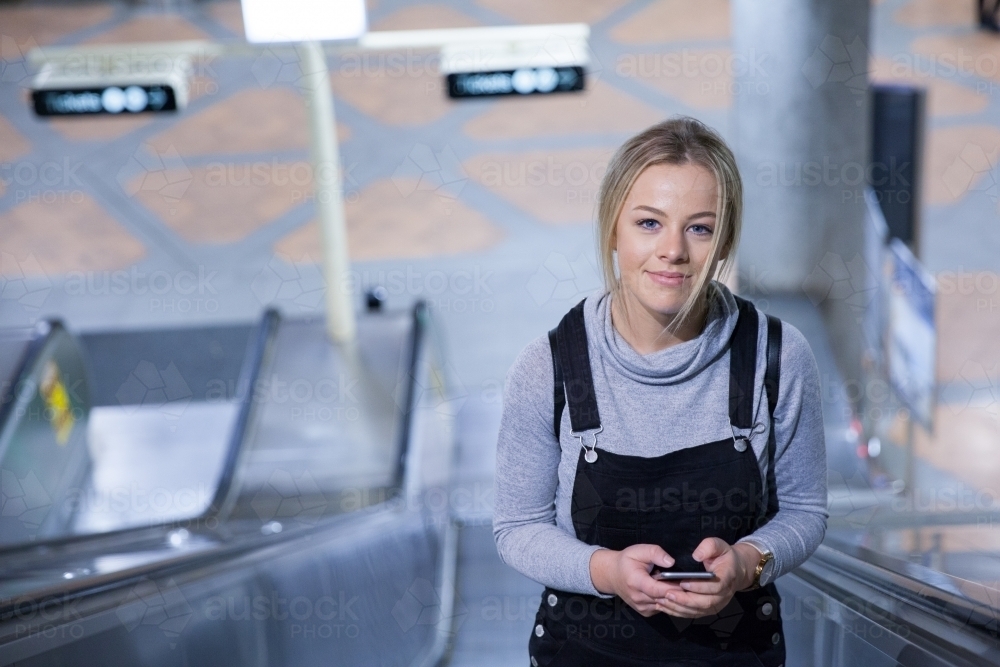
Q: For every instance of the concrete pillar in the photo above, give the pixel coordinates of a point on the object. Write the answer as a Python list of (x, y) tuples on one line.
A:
[(800, 131)]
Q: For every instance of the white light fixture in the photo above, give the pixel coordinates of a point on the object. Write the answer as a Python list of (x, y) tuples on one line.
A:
[(271, 21)]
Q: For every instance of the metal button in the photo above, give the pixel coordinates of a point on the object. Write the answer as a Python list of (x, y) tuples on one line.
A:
[(767, 608), (775, 638), (539, 631), (552, 599), (740, 444), (534, 661)]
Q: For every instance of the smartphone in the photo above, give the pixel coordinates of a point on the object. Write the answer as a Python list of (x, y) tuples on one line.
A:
[(663, 575)]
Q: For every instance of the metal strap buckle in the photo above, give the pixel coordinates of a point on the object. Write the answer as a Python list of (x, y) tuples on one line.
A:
[(590, 455)]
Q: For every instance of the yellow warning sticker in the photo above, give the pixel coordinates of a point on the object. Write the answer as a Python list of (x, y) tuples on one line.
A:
[(57, 403)]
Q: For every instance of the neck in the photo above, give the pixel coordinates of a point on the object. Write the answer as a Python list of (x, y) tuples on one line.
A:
[(646, 330)]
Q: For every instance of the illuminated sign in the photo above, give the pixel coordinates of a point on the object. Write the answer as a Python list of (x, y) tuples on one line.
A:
[(521, 81), (106, 100), (267, 21)]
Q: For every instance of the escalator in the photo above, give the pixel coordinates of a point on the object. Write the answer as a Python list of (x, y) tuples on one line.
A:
[(252, 495), (240, 495)]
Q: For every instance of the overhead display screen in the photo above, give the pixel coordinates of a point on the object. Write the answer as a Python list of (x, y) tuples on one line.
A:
[(104, 100), (521, 81)]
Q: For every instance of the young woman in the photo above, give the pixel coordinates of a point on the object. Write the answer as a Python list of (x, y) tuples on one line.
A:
[(664, 425)]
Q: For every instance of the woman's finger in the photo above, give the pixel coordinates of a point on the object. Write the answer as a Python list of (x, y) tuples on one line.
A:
[(703, 587), (676, 610), (657, 589), (694, 601)]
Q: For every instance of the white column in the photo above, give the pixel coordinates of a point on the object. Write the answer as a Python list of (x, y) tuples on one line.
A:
[(801, 136), (340, 324)]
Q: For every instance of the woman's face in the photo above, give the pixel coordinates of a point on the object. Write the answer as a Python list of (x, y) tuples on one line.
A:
[(664, 234)]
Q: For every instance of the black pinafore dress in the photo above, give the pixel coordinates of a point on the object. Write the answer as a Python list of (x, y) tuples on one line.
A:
[(674, 500)]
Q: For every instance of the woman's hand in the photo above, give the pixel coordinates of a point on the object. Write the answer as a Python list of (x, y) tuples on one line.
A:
[(734, 568), (626, 574)]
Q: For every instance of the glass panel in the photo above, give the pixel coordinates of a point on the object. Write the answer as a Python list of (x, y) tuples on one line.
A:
[(44, 457)]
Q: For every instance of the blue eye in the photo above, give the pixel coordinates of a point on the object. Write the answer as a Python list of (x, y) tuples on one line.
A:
[(701, 230), (648, 223)]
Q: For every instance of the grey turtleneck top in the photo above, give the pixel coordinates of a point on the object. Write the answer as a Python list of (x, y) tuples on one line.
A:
[(651, 405)]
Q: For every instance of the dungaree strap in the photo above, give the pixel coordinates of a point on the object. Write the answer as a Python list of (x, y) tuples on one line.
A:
[(559, 396), (743, 365), (771, 376), (574, 362)]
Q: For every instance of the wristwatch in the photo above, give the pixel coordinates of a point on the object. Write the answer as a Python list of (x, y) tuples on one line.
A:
[(765, 557)]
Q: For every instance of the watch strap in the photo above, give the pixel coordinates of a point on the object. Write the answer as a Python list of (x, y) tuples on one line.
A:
[(765, 557)]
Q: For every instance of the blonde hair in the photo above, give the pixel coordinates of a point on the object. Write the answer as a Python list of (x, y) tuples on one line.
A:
[(678, 140)]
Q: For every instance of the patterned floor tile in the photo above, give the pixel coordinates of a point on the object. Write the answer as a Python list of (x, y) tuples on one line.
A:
[(43, 25), (600, 109), (700, 78), (395, 219), (14, 144), (72, 233), (675, 20), (944, 97), (935, 13), (150, 28), (395, 89), (250, 121), (556, 187), (957, 160), (419, 17), (224, 202), (553, 11)]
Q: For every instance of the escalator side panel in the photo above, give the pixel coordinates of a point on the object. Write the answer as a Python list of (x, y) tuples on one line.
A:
[(202, 356), (365, 596), (827, 631), (43, 449)]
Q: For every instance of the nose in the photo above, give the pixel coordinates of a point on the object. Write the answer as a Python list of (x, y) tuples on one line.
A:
[(671, 246)]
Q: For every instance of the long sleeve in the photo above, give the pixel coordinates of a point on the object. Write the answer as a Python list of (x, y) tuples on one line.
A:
[(528, 456), (800, 469)]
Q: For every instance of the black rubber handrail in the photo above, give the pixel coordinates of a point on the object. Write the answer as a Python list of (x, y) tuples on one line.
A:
[(257, 353), (253, 545), (933, 591), (420, 316), (849, 572)]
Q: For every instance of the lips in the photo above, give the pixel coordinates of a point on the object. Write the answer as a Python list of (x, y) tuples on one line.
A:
[(671, 278)]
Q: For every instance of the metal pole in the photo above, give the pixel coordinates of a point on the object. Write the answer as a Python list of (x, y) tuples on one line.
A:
[(340, 325), (910, 472)]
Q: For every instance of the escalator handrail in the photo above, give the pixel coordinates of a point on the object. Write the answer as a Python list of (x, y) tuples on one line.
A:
[(258, 350), (253, 546), (420, 315), (921, 588)]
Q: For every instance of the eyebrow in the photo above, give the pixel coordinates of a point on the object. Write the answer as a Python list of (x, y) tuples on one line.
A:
[(700, 214)]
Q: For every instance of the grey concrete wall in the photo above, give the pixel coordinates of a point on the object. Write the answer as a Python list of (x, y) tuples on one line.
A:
[(800, 129)]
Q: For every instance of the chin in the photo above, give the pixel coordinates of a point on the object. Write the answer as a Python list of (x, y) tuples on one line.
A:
[(664, 305), (659, 298)]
